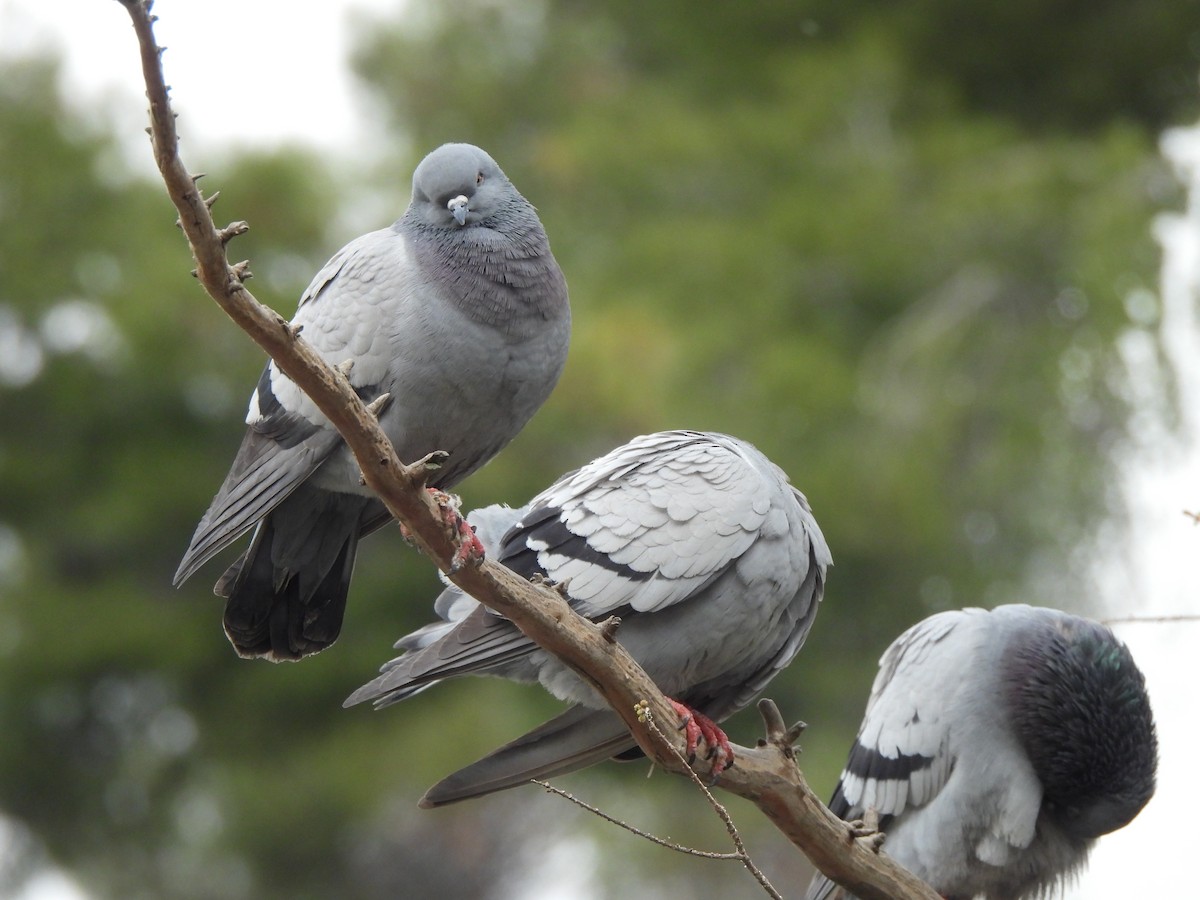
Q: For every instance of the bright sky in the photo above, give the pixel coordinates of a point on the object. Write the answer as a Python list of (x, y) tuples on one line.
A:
[(304, 48), (287, 62)]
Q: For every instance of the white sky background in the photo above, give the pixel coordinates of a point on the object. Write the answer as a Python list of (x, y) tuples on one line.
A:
[(304, 47), (301, 46)]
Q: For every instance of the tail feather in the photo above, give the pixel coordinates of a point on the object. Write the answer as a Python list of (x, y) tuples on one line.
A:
[(286, 595), (263, 475), (821, 888), (274, 617), (573, 740)]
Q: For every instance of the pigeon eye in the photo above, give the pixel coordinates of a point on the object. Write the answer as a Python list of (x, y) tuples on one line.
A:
[(479, 179)]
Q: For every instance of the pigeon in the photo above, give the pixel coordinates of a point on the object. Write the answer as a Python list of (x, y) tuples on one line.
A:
[(711, 559), (997, 747), (458, 312)]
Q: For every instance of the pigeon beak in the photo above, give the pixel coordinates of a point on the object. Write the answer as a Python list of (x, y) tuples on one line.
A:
[(458, 208)]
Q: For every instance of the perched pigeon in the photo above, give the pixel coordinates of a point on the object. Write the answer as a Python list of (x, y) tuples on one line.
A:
[(997, 746), (459, 312), (712, 560)]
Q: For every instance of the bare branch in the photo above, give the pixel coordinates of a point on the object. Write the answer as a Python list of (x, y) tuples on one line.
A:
[(766, 776), (1153, 620), (653, 838), (721, 811)]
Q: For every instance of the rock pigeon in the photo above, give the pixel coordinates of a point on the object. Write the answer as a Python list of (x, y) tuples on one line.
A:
[(711, 559), (459, 312), (997, 746)]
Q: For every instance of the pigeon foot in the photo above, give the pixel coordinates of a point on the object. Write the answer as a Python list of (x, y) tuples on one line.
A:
[(469, 549), (867, 830), (696, 727)]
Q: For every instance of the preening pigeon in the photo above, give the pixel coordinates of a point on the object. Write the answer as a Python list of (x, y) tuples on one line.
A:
[(713, 561), (997, 746), (459, 312)]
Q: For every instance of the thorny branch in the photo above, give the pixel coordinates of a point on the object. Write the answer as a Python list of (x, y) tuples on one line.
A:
[(767, 775)]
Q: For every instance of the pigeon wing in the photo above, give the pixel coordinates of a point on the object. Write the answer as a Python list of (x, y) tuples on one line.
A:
[(901, 757), (288, 438), (645, 527)]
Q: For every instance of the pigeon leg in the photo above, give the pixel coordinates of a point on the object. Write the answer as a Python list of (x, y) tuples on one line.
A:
[(697, 726)]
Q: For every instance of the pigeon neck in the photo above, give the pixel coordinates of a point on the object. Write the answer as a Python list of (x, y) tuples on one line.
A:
[(499, 271)]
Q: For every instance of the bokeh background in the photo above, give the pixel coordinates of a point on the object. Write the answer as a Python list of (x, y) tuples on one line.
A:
[(909, 250)]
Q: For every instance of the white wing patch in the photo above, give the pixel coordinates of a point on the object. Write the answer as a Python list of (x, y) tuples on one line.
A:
[(905, 756), (348, 312)]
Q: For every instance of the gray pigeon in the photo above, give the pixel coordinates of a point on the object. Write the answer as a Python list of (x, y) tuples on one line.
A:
[(459, 312), (712, 560), (997, 746)]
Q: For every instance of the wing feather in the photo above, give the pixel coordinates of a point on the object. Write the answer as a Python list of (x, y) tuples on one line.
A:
[(616, 536), (901, 757), (263, 474)]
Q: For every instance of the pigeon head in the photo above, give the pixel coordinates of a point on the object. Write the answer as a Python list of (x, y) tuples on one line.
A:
[(458, 185), (1079, 707), (474, 236)]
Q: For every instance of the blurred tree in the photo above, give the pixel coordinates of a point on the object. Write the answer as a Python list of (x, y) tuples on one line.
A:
[(893, 245), (802, 229)]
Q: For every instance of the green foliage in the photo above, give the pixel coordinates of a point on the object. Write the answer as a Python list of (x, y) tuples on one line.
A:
[(890, 244)]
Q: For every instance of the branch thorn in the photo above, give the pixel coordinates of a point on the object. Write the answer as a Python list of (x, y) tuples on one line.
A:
[(778, 735), (379, 404), (424, 467), (562, 588), (608, 628), (232, 230), (434, 460)]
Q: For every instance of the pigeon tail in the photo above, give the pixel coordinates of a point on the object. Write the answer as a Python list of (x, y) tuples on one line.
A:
[(573, 740), (283, 611)]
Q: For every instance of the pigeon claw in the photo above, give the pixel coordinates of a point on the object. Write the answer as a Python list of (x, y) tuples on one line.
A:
[(867, 830), (468, 549), (698, 727), (687, 724)]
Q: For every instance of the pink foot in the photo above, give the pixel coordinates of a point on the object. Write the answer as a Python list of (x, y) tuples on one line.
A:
[(696, 727), (470, 550)]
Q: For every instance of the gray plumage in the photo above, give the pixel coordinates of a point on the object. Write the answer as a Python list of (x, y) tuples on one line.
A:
[(996, 747), (459, 312), (713, 561)]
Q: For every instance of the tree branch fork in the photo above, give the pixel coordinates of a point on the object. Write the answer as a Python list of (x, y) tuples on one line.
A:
[(767, 775)]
